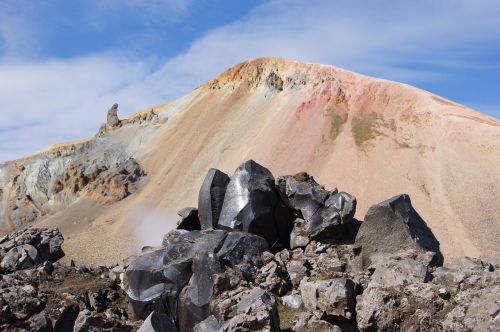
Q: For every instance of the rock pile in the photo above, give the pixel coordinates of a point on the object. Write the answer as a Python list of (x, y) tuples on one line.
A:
[(26, 248), (39, 294), (265, 254), (258, 254)]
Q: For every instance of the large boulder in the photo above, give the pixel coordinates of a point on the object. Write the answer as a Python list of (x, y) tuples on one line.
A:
[(154, 280), (391, 226), (302, 193), (179, 278), (325, 213), (252, 204), (211, 198)]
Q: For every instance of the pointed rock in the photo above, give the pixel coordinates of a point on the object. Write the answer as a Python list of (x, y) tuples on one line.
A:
[(391, 226), (211, 198), (252, 205)]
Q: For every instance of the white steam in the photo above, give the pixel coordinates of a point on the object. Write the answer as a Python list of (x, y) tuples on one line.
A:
[(151, 225)]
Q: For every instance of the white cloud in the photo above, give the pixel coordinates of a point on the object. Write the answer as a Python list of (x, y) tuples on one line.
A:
[(17, 33), (50, 101)]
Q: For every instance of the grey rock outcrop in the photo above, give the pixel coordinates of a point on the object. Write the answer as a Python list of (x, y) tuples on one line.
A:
[(211, 198), (333, 298), (180, 278), (394, 225), (257, 311), (112, 119)]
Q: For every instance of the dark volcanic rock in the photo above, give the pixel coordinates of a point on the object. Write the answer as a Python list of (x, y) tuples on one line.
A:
[(325, 214), (151, 284), (302, 193), (211, 198), (194, 302), (20, 257), (154, 280), (391, 226), (26, 248), (189, 219), (40, 323), (329, 221), (252, 205), (67, 318), (242, 248), (158, 322)]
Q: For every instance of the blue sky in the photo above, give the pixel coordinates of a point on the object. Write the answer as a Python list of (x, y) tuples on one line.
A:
[(63, 63)]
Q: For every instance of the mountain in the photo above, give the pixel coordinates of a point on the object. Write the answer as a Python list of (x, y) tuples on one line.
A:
[(370, 137)]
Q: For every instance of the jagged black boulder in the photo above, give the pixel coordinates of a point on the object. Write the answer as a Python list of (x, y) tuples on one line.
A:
[(391, 226), (331, 219), (325, 213), (252, 204), (302, 193), (211, 198)]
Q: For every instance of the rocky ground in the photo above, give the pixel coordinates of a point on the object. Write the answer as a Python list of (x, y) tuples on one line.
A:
[(258, 254)]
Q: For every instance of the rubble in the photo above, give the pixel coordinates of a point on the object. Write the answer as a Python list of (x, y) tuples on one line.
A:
[(252, 260)]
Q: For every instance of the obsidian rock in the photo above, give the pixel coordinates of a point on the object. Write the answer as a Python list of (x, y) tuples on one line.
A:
[(189, 219), (211, 198), (253, 205)]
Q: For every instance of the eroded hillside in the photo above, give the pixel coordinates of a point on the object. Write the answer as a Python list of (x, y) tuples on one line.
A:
[(370, 137)]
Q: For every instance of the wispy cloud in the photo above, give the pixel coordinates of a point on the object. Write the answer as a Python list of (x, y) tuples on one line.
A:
[(52, 101), (415, 42), (18, 37)]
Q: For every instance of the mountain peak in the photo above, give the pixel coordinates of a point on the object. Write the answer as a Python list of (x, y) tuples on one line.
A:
[(277, 73)]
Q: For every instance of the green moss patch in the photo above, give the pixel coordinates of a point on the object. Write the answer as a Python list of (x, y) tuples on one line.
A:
[(365, 128)]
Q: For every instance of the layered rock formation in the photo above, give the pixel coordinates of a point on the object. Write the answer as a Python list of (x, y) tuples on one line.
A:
[(373, 138)]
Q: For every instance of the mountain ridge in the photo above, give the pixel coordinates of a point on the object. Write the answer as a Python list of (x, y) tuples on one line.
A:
[(348, 130)]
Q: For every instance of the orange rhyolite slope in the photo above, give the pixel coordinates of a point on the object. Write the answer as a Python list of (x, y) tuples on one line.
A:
[(370, 137)]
